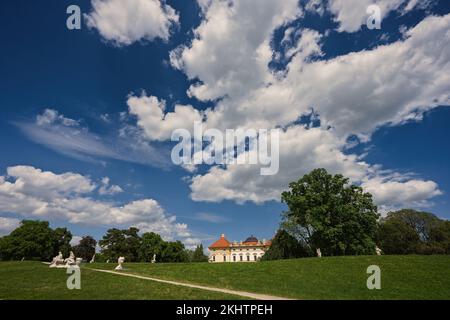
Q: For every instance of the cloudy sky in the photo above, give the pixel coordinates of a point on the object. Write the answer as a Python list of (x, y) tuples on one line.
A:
[(87, 115)]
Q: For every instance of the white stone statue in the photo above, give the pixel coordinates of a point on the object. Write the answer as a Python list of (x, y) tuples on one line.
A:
[(120, 261), (70, 261), (378, 251), (78, 262), (107, 261), (154, 258), (93, 259), (58, 261), (319, 253)]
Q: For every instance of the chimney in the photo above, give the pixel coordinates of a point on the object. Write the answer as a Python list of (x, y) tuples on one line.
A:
[(222, 235)]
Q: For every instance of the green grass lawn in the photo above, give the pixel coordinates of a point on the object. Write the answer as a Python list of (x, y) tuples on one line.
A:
[(36, 281), (402, 277)]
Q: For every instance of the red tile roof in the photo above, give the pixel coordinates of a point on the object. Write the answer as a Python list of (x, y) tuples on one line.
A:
[(224, 243), (221, 243)]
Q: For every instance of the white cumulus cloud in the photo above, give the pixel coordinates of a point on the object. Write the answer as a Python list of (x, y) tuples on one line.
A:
[(353, 94), (158, 124), (107, 189), (34, 193), (352, 14), (126, 22), (231, 47)]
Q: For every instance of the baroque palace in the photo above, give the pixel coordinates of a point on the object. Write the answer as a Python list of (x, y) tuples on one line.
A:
[(250, 250)]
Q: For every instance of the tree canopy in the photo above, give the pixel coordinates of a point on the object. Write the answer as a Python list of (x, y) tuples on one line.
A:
[(332, 214), (174, 252), (86, 248), (285, 246), (134, 248), (409, 231), (151, 244), (34, 240), (198, 255), (117, 243)]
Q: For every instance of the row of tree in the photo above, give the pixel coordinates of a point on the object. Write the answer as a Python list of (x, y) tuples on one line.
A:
[(325, 211), (35, 240), (141, 248), (409, 231)]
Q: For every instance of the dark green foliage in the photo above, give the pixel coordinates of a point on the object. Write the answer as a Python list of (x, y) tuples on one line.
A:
[(198, 255), (129, 244), (86, 248), (121, 243), (409, 231), (396, 237), (174, 252), (285, 246), (34, 240), (151, 243), (62, 241), (331, 214), (100, 258)]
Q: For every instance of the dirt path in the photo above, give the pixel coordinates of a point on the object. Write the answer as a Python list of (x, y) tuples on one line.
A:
[(250, 295)]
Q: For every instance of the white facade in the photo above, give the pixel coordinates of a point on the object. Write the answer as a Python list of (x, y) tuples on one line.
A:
[(250, 250)]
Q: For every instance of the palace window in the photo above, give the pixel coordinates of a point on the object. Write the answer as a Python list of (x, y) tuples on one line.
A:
[(234, 258), (224, 258), (248, 258), (241, 258)]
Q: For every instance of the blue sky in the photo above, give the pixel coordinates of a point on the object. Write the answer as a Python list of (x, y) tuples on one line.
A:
[(67, 121)]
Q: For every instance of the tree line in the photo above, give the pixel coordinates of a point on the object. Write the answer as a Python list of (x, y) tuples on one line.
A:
[(142, 248), (35, 240), (325, 212)]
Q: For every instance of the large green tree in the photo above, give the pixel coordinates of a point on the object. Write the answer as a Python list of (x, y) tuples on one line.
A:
[(397, 237), (62, 241), (117, 243), (86, 248), (198, 254), (174, 252), (285, 246), (410, 231), (33, 240), (332, 214), (151, 244)]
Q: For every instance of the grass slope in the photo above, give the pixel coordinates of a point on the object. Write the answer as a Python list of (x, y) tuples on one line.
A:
[(36, 281), (402, 277)]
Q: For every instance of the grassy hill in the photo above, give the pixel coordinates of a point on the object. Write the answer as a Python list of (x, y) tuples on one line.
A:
[(36, 281), (402, 277)]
